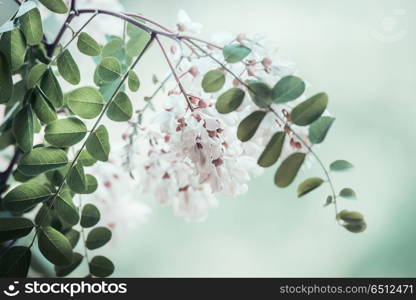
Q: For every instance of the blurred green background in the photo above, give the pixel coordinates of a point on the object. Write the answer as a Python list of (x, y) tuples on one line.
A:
[(362, 53)]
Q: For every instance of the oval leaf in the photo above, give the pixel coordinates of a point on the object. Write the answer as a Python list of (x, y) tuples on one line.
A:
[(120, 109), (31, 25), (98, 144), (65, 208), (87, 45), (86, 102), (101, 266), (133, 81), (248, 127), (86, 159), (310, 110), (25, 196), (92, 184), (23, 128), (13, 46), (272, 151), (76, 180), (352, 217), (65, 132), (109, 69), (6, 82), (288, 89), (340, 165), (230, 100), (319, 129), (288, 170), (15, 262), (213, 81), (347, 193), (260, 93), (51, 89), (90, 216), (14, 228), (42, 159), (98, 237), (54, 246), (35, 74), (73, 237), (57, 6), (68, 68), (62, 271), (235, 53), (309, 185)]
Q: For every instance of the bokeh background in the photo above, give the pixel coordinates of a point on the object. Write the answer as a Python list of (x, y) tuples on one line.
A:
[(362, 53)]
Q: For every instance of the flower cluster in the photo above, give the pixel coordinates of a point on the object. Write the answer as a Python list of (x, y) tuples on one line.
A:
[(187, 153)]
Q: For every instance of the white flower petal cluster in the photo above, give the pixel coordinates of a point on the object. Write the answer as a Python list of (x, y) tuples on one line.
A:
[(186, 158)]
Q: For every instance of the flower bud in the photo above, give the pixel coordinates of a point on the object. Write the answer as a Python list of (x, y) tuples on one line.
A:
[(266, 62), (194, 71), (181, 27), (241, 37)]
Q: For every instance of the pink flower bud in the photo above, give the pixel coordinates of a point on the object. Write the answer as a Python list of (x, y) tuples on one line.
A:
[(181, 27), (266, 62), (217, 162), (125, 136), (251, 71), (194, 71), (202, 104), (173, 49), (236, 83), (241, 37)]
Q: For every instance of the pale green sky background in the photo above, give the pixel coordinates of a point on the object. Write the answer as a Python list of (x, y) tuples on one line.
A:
[(362, 53)]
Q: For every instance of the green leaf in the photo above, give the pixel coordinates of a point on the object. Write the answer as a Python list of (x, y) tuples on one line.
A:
[(86, 102), (65, 208), (92, 184), (31, 25), (26, 196), (248, 127), (6, 82), (310, 110), (109, 69), (76, 180), (86, 159), (14, 228), (101, 266), (35, 74), (43, 109), (136, 45), (133, 81), (230, 100), (235, 53), (65, 132), (54, 246), (112, 48), (68, 68), (213, 81), (352, 217), (260, 93), (288, 170), (87, 45), (340, 166), (98, 144), (319, 129), (288, 89), (42, 159), (90, 216), (120, 109), (57, 6), (62, 271), (356, 227), (13, 46), (347, 193), (73, 237), (272, 151), (15, 262), (98, 237), (44, 215), (308, 186), (23, 128), (51, 88), (328, 201), (134, 31)]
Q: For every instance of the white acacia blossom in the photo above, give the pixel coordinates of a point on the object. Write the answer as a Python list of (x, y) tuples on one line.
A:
[(187, 157)]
